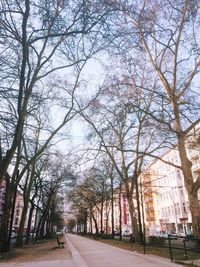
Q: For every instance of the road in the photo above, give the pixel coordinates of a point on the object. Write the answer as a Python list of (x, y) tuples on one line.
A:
[(90, 253)]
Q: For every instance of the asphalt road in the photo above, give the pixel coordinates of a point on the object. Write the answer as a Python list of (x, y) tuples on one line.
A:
[(90, 253)]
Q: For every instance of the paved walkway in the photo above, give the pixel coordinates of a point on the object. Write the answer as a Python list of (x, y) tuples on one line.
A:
[(90, 253), (96, 254)]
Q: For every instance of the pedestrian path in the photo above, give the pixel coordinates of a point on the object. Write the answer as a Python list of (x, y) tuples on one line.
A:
[(83, 252), (97, 254), (77, 260)]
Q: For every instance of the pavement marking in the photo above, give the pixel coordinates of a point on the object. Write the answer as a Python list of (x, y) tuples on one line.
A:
[(76, 257)]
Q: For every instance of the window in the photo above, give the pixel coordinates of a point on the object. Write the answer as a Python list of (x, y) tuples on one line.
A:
[(169, 211), (172, 210), (19, 204), (17, 212), (16, 221), (163, 213), (178, 208), (184, 208)]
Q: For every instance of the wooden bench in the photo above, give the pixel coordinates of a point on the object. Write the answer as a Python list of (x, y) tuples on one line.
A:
[(60, 243)]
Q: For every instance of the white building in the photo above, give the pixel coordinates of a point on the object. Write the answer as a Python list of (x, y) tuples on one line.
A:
[(169, 199), (19, 204)]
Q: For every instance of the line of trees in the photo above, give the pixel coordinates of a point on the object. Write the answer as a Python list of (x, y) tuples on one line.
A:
[(149, 100), (44, 48), (94, 197)]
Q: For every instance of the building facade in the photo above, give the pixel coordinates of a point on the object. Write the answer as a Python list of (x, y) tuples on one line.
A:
[(168, 201), (19, 204), (163, 196)]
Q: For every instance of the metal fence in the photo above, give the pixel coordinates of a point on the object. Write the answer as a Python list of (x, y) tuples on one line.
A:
[(185, 245)]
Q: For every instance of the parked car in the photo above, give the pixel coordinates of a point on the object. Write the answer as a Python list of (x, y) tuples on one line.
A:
[(13, 234), (181, 234), (167, 235), (127, 233), (163, 234), (173, 235)]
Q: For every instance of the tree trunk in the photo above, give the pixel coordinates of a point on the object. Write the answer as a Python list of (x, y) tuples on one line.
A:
[(38, 228), (102, 214), (42, 231), (26, 198), (139, 212), (120, 211), (36, 219), (112, 210), (19, 241), (189, 184), (4, 228), (28, 231), (21, 108), (107, 213), (95, 222), (85, 221), (48, 226), (91, 224), (134, 225), (186, 166)]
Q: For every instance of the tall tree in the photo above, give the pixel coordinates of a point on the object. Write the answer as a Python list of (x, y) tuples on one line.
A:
[(167, 37), (41, 41), (38, 39), (122, 132)]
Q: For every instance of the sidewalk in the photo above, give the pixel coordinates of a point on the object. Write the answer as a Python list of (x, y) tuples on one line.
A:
[(77, 260), (47, 254)]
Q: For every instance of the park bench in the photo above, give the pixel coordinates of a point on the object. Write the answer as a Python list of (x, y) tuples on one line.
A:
[(60, 243)]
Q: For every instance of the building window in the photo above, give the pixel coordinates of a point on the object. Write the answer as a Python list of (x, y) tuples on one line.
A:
[(169, 211), (184, 208), (16, 221), (17, 212), (172, 210), (19, 204)]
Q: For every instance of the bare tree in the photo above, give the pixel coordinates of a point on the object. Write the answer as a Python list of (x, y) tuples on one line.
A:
[(120, 128), (37, 40), (41, 42), (53, 180), (91, 195), (166, 35)]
